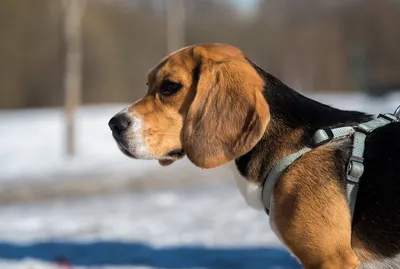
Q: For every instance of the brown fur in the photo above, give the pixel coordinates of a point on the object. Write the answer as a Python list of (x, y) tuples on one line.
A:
[(212, 134), (211, 76), (312, 216), (289, 143)]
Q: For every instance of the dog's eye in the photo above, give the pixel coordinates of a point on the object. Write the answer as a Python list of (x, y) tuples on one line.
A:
[(169, 88)]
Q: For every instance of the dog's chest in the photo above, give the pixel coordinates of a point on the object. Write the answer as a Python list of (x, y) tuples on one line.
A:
[(272, 222), (252, 194), (393, 263)]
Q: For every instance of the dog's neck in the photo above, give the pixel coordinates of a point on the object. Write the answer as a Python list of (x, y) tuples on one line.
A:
[(294, 119)]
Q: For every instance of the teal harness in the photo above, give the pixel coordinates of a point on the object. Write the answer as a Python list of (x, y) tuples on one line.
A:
[(355, 166)]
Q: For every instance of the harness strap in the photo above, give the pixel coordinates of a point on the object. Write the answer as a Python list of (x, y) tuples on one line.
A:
[(323, 136), (320, 137), (355, 167), (381, 120), (274, 173)]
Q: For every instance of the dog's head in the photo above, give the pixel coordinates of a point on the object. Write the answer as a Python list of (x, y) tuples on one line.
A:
[(204, 101)]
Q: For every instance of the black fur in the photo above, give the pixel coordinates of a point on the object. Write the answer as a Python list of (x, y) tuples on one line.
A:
[(293, 110), (377, 214)]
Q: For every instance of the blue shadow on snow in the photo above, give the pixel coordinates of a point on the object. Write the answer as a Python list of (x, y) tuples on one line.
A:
[(139, 254)]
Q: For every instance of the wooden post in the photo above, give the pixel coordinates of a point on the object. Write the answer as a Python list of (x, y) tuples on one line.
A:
[(175, 24), (73, 11)]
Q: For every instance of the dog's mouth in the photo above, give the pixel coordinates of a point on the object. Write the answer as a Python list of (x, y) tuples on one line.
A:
[(125, 151), (172, 155), (122, 146), (176, 153)]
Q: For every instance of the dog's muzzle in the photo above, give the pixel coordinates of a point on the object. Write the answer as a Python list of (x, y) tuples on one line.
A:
[(119, 124)]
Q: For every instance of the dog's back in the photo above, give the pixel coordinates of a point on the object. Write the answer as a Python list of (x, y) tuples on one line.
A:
[(377, 213)]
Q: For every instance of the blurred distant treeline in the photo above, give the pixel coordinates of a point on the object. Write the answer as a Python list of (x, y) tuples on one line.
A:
[(312, 45)]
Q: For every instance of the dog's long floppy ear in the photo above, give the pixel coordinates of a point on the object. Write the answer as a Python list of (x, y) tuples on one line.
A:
[(228, 115)]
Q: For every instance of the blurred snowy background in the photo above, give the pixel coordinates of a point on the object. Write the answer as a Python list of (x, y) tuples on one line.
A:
[(70, 199)]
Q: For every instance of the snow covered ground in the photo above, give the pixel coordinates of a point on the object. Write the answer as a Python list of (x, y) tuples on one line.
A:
[(203, 226), (175, 217)]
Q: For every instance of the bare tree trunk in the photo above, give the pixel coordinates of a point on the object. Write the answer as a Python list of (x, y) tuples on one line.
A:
[(175, 24), (73, 11)]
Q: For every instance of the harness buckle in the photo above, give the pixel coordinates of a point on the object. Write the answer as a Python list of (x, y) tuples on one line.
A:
[(322, 136), (397, 112), (391, 117), (355, 169)]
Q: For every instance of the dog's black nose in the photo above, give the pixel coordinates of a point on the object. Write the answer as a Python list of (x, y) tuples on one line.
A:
[(119, 123)]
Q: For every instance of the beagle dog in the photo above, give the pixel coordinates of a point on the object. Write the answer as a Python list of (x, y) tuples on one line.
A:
[(214, 105)]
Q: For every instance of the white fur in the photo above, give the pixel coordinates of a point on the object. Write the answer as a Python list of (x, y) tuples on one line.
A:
[(393, 263), (251, 191), (252, 194), (272, 223), (136, 144)]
